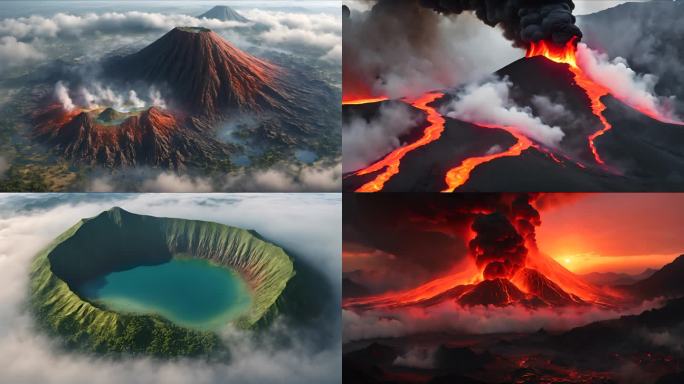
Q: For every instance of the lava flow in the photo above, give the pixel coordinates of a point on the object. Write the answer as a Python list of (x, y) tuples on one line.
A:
[(568, 55), (504, 268), (359, 101), (391, 162), (458, 176)]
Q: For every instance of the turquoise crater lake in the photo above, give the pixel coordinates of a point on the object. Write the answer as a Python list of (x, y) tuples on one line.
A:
[(189, 292)]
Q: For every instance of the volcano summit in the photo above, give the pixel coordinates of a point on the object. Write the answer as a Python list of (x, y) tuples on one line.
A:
[(207, 75)]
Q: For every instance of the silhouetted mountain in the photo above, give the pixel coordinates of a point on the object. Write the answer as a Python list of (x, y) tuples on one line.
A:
[(668, 282), (612, 278)]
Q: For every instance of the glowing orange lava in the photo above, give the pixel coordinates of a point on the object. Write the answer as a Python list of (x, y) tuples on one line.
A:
[(458, 176), (391, 162), (359, 101), (568, 55), (427, 291)]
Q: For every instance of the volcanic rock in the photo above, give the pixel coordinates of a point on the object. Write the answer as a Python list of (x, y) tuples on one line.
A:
[(535, 283), (497, 292), (206, 74), (153, 137)]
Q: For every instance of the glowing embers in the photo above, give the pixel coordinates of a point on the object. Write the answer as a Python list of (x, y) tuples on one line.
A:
[(456, 177), (390, 164), (594, 91)]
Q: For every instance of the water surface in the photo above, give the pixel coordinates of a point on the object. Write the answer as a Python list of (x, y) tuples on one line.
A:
[(190, 292)]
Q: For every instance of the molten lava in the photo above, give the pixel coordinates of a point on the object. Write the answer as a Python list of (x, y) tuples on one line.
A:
[(568, 55), (348, 100), (458, 176), (390, 164)]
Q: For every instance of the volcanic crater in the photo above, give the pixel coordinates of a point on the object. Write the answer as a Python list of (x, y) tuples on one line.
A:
[(116, 242)]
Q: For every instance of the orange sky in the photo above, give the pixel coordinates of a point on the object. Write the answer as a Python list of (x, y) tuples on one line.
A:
[(619, 232)]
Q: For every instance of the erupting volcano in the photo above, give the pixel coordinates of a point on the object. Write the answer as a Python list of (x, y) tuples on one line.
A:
[(506, 268), (561, 83), (465, 288)]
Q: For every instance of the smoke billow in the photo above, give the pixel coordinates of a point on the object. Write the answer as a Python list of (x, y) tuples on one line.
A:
[(384, 56), (399, 233), (498, 248), (522, 21), (62, 94), (100, 96), (490, 103)]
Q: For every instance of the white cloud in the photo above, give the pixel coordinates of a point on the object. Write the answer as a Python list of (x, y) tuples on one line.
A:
[(309, 225), (489, 103), (63, 24), (310, 178), (14, 53), (170, 182)]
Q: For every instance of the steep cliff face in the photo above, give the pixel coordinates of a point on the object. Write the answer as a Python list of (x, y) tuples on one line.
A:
[(206, 73), (117, 240), (154, 137)]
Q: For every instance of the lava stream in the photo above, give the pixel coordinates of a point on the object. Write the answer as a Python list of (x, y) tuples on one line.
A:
[(391, 162), (567, 55), (424, 292), (360, 101), (458, 176)]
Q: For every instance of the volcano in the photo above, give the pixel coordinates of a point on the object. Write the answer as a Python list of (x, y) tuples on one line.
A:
[(608, 145), (207, 75), (153, 137), (224, 13)]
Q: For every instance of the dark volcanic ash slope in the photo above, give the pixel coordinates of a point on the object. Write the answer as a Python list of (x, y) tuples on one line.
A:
[(641, 154), (153, 137), (206, 74)]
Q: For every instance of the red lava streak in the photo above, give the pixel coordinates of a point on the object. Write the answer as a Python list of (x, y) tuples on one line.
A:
[(458, 176), (567, 55), (360, 101), (390, 164)]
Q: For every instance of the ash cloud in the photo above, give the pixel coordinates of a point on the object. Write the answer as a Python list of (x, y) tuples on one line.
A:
[(321, 176), (307, 225), (366, 140), (413, 240), (522, 21), (490, 103)]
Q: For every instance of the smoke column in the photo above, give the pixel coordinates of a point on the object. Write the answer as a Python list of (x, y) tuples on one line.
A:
[(522, 21)]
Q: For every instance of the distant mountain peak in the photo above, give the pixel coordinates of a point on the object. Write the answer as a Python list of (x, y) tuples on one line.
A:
[(224, 13)]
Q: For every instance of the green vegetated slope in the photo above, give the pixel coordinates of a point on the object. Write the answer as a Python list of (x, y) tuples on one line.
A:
[(118, 240)]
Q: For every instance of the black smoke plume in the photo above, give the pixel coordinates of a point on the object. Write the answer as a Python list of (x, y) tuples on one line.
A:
[(498, 248), (523, 21)]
